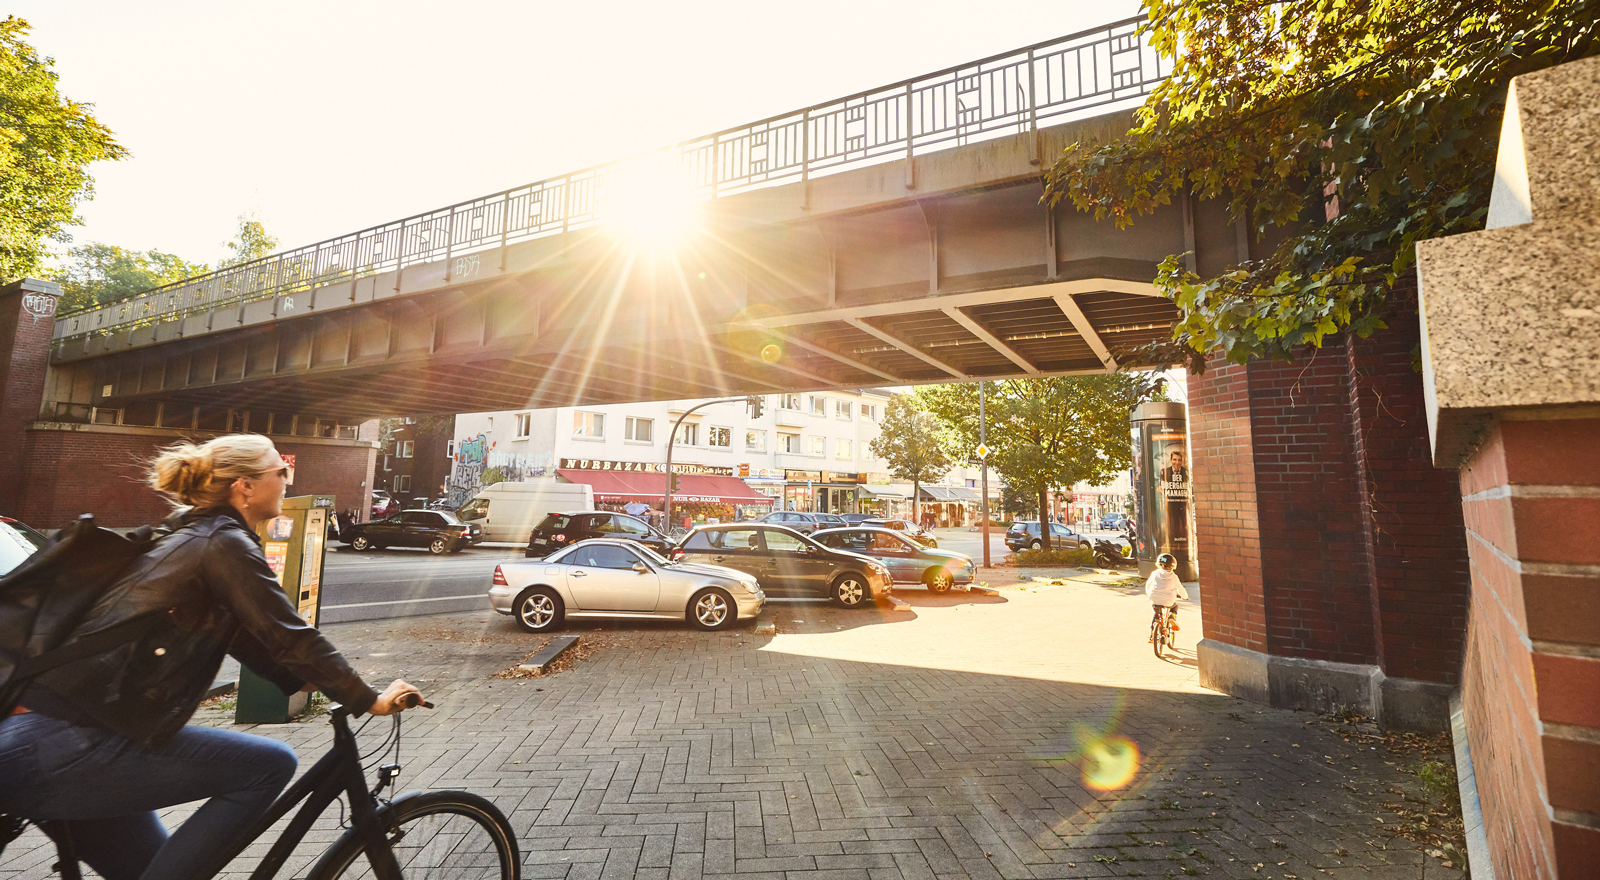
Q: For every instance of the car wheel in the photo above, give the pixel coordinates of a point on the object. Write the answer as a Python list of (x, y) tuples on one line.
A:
[(439, 547), (1035, 545), (712, 608), (939, 580), (538, 610), (360, 542), (850, 591)]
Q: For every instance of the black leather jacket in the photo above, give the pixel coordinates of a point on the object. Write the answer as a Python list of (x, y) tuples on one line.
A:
[(211, 584)]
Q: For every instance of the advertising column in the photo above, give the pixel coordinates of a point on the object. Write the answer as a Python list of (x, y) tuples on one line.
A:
[(293, 544), (1163, 507)]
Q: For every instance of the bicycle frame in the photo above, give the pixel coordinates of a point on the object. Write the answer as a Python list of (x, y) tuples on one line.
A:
[(335, 773)]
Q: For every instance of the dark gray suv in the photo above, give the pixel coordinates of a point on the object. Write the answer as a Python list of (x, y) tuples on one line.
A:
[(787, 563), (804, 523)]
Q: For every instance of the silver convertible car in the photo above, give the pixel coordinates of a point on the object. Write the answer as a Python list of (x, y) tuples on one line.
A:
[(612, 578)]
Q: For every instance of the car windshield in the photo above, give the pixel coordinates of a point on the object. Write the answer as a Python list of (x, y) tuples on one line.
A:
[(648, 553), (17, 543), (477, 508)]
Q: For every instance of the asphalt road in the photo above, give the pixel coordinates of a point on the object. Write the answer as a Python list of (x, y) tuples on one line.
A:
[(405, 582)]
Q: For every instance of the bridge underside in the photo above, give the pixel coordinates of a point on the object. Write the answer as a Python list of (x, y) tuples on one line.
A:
[(849, 281)]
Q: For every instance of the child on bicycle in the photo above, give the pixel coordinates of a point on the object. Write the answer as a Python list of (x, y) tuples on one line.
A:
[(1164, 589)]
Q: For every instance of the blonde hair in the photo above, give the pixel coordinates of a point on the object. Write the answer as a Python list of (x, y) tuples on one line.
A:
[(203, 475)]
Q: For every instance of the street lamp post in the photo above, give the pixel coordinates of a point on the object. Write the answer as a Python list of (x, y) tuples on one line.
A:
[(983, 443), (666, 501)]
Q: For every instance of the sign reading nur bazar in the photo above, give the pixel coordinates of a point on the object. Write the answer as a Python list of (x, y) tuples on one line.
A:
[(644, 467)]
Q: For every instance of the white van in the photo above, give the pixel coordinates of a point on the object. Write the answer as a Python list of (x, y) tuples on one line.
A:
[(509, 511)]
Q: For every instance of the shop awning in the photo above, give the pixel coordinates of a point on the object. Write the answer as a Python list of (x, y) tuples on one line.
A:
[(612, 487), (949, 493), (886, 491)]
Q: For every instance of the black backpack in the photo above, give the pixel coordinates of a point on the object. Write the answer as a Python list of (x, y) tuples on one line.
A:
[(45, 598)]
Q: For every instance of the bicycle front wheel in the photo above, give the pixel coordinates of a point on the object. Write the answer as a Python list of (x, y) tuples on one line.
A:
[(433, 834)]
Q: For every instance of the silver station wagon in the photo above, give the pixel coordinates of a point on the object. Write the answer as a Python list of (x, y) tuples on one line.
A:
[(613, 578)]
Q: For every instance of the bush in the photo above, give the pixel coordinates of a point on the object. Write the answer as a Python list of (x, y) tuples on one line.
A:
[(1055, 557)]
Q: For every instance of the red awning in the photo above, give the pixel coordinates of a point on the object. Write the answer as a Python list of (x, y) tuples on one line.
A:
[(612, 487)]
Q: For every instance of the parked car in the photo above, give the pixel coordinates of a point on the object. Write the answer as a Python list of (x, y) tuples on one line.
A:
[(611, 577), (383, 505), (787, 562), (804, 523), (509, 511), (1025, 536), (17, 543), (436, 530), (857, 519), (1114, 522), (905, 527), (907, 561), (559, 530)]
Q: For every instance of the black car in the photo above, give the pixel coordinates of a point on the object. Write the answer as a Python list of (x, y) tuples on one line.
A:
[(787, 563), (1025, 536), (17, 543), (804, 523), (557, 530), (436, 530), (857, 519)]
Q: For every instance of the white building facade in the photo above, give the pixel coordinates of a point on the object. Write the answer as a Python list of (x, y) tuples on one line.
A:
[(807, 452)]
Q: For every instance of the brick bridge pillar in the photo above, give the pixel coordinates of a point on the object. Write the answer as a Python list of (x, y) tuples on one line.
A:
[(1512, 363), (1333, 564), (27, 322)]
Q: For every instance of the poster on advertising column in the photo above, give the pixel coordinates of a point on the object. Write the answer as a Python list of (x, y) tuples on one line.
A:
[(1163, 489)]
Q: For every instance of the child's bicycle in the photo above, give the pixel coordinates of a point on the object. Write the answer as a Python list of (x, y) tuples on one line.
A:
[(1161, 630), (418, 834)]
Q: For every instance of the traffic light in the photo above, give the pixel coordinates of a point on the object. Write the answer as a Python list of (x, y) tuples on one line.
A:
[(672, 484), (758, 405)]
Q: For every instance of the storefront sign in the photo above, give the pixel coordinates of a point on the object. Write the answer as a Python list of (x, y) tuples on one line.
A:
[(644, 467), (802, 476)]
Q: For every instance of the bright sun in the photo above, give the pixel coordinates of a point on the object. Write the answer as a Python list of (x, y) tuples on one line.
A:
[(652, 210)]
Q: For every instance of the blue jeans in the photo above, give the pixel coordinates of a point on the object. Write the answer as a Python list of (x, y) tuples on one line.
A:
[(108, 788)]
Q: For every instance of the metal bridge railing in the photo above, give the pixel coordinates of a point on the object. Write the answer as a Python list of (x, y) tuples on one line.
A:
[(1006, 94)]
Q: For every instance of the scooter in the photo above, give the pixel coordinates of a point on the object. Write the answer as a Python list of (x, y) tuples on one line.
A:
[(1110, 554)]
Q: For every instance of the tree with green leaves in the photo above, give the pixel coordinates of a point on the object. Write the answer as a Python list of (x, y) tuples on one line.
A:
[(46, 144), (917, 446), (1343, 131), (97, 273), (251, 242), (1047, 434)]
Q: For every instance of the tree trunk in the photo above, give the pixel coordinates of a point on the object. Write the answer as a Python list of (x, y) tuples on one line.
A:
[(1044, 520), (916, 502)]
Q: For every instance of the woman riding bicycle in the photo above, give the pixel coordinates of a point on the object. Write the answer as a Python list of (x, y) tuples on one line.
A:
[(101, 743)]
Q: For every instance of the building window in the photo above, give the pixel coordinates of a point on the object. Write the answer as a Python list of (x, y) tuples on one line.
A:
[(972, 484), (755, 441), (524, 425), (450, 449), (641, 430), (789, 401), (819, 445), (402, 482), (720, 437), (843, 409), (819, 406), (789, 443), (407, 447), (870, 411), (841, 449), (688, 434), (587, 424)]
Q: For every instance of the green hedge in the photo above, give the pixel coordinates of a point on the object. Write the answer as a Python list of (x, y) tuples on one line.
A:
[(1055, 557)]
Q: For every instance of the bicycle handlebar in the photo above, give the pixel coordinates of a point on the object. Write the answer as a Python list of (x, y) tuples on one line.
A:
[(412, 701)]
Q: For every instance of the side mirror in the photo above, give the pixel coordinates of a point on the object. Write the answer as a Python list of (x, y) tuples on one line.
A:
[(639, 567)]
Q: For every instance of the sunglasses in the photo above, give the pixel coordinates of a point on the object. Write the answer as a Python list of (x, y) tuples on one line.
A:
[(282, 472)]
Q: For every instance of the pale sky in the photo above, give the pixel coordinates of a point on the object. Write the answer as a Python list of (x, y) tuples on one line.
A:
[(327, 117)]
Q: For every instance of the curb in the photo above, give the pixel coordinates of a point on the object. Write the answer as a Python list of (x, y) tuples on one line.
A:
[(218, 688), (765, 625), (987, 591), (898, 604), (539, 661)]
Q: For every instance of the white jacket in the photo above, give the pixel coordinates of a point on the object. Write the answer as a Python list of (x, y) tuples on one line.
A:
[(1164, 588)]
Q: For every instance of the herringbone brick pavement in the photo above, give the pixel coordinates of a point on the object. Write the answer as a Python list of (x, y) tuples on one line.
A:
[(1033, 735)]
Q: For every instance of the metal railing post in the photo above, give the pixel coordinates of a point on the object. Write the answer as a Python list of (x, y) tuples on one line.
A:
[(805, 160), (1033, 143), (911, 173)]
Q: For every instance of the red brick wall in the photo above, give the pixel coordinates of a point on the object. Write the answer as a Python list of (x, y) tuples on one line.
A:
[(1226, 530), (100, 470), (24, 358), (1415, 541), (1325, 532), (1532, 669)]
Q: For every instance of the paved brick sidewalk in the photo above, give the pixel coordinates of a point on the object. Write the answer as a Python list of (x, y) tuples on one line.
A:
[(963, 739)]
